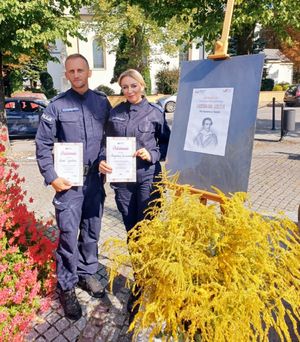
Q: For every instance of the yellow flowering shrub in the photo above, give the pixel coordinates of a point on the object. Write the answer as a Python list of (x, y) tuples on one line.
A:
[(221, 276)]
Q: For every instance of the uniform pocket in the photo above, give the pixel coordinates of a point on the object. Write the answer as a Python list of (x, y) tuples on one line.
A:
[(69, 116), (58, 202), (69, 129), (98, 124), (118, 128), (145, 127)]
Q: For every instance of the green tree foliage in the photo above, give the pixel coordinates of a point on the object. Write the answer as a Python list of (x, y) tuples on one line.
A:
[(47, 84), (106, 90), (133, 53), (206, 18), (30, 27), (15, 80), (167, 81), (28, 68), (129, 32)]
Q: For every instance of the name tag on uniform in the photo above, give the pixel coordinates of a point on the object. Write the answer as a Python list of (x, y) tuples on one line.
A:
[(68, 162), (74, 109)]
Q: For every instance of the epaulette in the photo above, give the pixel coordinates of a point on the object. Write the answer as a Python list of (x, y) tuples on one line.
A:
[(98, 92), (156, 106), (60, 95)]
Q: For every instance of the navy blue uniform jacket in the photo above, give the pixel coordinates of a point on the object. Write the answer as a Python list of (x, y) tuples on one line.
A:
[(71, 117), (146, 122)]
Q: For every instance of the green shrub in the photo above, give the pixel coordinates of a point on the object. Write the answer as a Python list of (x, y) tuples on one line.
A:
[(277, 87), (47, 85), (106, 90), (284, 85), (167, 81), (267, 84), (146, 75)]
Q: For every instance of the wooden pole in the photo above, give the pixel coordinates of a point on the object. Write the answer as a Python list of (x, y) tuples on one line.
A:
[(221, 45)]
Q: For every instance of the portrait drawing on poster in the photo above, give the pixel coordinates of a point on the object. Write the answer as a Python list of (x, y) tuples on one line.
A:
[(208, 121)]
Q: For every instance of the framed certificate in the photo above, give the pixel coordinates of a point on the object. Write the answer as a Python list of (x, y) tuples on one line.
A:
[(119, 155), (68, 162)]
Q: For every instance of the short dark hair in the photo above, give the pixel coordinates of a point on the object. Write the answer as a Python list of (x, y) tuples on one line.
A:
[(207, 119), (77, 55)]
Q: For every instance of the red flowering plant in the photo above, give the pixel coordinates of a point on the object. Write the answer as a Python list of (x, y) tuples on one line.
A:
[(27, 245)]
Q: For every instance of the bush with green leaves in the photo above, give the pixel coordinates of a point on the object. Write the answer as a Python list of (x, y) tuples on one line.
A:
[(277, 87), (106, 90), (47, 85), (167, 81), (284, 85), (267, 84)]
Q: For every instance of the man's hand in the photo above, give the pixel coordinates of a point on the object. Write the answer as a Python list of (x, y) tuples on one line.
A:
[(104, 167), (60, 184)]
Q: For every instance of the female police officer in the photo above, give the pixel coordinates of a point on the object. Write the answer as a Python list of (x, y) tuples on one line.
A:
[(137, 118)]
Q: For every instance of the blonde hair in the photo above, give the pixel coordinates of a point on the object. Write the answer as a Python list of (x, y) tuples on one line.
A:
[(133, 74)]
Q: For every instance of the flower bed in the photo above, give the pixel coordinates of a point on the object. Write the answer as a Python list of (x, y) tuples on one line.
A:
[(27, 263)]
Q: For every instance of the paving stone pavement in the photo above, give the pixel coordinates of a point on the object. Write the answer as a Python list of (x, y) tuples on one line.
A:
[(274, 185)]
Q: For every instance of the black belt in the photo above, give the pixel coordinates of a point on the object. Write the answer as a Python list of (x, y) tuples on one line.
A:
[(86, 169), (89, 169)]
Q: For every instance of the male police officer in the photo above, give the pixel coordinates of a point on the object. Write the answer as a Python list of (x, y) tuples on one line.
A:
[(78, 115)]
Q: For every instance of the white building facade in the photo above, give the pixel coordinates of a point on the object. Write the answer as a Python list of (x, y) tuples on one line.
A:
[(102, 61), (278, 67)]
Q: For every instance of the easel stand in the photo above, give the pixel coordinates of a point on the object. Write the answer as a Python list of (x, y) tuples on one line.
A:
[(204, 196), (221, 48), (221, 45)]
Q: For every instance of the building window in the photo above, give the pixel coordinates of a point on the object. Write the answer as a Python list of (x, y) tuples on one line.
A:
[(184, 54), (98, 55)]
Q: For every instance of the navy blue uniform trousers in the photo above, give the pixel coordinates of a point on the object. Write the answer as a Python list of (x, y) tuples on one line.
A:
[(133, 198), (77, 251)]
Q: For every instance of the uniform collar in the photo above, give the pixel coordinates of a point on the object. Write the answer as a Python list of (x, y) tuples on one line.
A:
[(81, 96), (138, 106)]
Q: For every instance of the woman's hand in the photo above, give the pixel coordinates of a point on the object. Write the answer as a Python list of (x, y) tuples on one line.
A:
[(104, 167), (143, 154)]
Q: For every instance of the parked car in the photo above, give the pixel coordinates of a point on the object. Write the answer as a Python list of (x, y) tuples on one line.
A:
[(168, 103), (292, 95), (23, 115)]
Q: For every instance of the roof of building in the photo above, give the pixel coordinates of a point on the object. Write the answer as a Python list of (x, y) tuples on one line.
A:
[(275, 55)]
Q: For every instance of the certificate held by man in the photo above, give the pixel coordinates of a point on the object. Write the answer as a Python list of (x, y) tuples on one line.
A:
[(68, 162), (120, 156)]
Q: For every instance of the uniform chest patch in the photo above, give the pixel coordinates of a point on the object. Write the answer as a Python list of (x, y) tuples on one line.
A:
[(73, 109), (118, 118)]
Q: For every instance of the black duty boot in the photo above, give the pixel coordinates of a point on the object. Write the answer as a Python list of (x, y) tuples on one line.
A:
[(70, 304), (91, 285)]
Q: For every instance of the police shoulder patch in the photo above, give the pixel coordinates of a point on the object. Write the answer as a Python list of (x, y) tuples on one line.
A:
[(98, 92), (46, 117), (60, 95)]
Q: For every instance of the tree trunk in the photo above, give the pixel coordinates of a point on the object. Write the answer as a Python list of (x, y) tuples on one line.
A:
[(3, 121), (2, 113), (245, 40)]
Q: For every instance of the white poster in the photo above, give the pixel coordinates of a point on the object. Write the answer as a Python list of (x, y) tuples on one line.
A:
[(208, 122)]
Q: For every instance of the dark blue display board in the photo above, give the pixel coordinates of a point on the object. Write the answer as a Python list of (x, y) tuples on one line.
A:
[(214, 122)]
